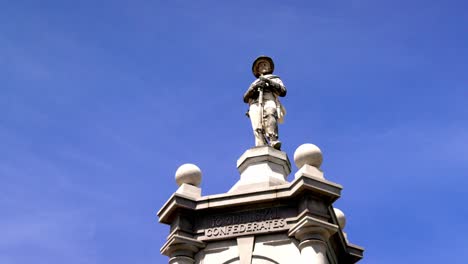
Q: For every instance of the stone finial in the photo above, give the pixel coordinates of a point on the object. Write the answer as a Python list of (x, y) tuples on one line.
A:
[(340, 217), (189, 174), (341, 221), (308, 154)]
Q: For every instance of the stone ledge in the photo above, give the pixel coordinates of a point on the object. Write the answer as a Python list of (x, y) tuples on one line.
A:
[(328, 190), (184, 245)]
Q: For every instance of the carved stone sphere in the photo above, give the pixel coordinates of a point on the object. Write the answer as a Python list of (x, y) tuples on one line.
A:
[(308, 154), (189, 174), (341, 217)]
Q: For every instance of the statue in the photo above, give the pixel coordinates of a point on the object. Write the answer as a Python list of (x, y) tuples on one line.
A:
[(265, 109)]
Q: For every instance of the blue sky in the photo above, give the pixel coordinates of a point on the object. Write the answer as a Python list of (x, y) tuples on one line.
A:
[(101, 101)]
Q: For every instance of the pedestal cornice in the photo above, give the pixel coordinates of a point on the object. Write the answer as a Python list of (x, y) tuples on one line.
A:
[(327, 190), (311, 228), (178, 245)]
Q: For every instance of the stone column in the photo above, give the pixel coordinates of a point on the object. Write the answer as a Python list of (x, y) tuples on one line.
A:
[(313, 251), (313, 244), (183, 253), (181, 249), (181, 260), (313, 235)]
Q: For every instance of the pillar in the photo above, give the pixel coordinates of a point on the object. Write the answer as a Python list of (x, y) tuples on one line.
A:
[(313, 235), (313, 251), (181, 260)]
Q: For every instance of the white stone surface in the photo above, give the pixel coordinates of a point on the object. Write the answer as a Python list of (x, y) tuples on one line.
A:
[(276, 247), (189, 190), (189, 174), (308, 154), (245, 246), (262, 167), (267, 249), (309, 171), (313, 251), (218, 252)]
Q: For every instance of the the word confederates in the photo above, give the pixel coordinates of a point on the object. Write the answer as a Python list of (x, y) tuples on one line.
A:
[(262, 226)]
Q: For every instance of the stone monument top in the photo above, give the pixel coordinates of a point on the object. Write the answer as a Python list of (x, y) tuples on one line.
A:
[(263, 218)]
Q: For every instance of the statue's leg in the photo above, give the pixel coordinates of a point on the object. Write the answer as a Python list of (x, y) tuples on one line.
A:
[(271, 124), (254, 113)]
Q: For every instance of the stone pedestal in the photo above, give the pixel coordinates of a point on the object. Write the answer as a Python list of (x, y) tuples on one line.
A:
[(289, 223), (262, 167), (263, 218)]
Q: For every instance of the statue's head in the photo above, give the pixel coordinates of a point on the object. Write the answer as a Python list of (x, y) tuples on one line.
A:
[(263, 65)]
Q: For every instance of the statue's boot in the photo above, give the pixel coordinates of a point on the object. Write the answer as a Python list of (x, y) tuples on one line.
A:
[(276, 144)]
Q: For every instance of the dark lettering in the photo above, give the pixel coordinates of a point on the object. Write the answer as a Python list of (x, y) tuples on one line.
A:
[(282, 223), (242, 228)]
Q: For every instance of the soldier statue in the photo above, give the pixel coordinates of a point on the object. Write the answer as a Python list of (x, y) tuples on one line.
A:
[(265, 109)]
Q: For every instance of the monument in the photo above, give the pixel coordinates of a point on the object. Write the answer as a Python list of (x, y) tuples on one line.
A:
[(263, 218)]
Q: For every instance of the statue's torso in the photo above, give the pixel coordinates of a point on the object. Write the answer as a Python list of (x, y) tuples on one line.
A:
[(268, 92)]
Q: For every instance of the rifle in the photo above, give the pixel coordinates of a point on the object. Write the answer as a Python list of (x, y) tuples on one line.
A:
[(260, 105)]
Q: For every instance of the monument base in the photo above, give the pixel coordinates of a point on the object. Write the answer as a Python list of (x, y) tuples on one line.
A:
[(263, 219), (261, 167)]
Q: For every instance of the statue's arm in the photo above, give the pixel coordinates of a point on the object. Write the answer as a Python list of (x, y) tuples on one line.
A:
[(277, 85), (249, 93), (280, 87)]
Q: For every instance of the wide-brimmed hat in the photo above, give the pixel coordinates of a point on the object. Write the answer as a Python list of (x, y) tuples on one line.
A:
[(260, 59)]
